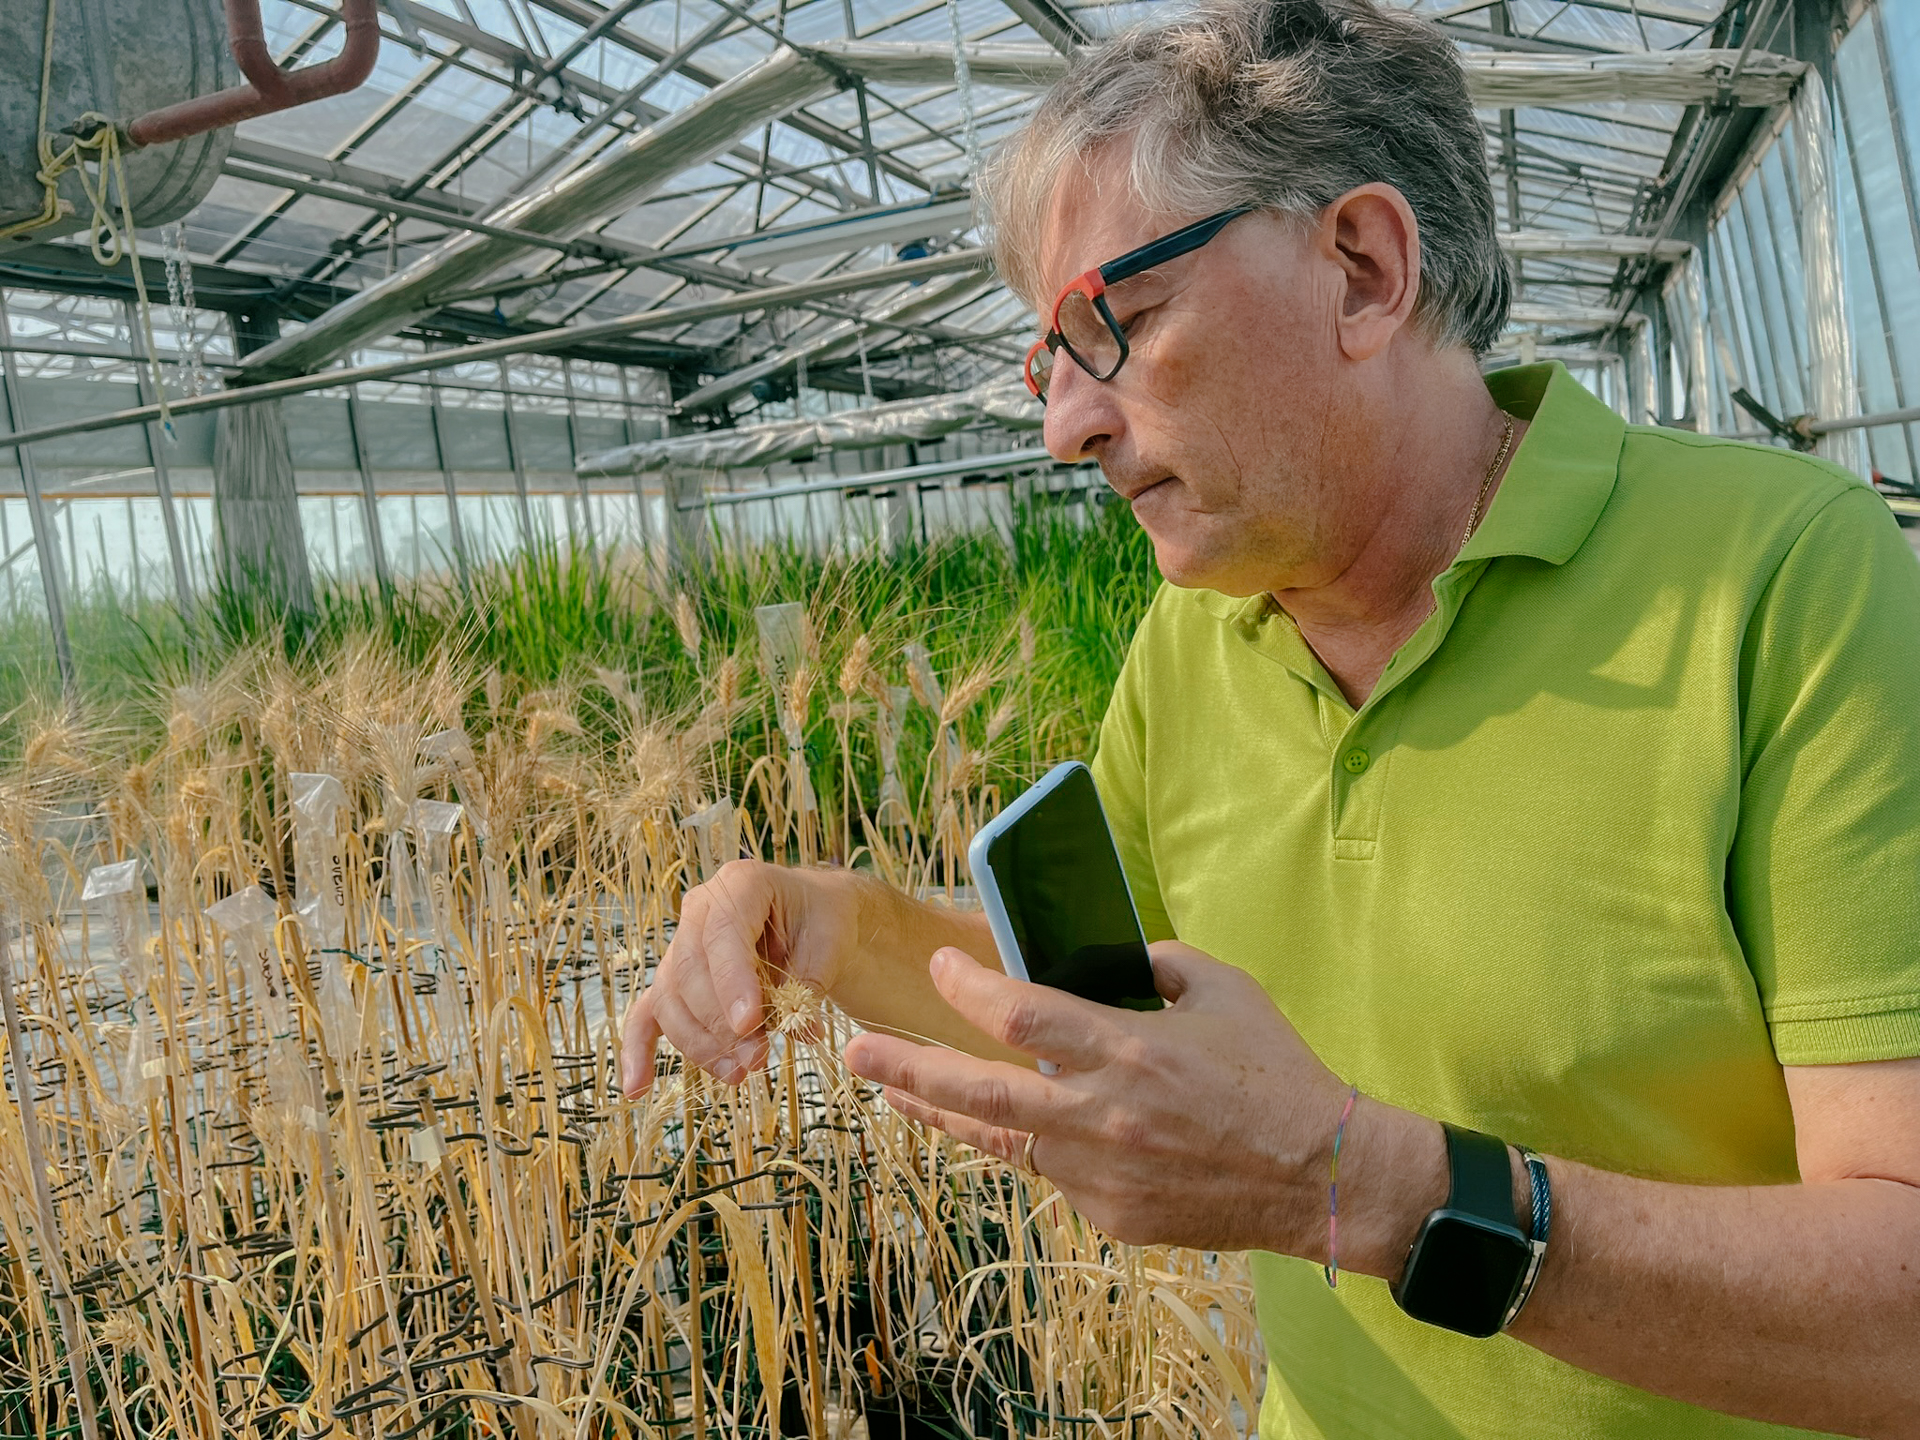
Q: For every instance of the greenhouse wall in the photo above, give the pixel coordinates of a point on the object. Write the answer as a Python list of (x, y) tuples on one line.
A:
[(1756, 330)]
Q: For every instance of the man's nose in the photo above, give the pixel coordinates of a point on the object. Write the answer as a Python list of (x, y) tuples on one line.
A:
[(1081, 413)]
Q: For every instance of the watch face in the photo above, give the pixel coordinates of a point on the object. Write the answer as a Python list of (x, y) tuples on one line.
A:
[(1463, 1273)]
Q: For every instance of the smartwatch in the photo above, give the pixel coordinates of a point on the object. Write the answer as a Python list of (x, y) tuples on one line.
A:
[(1471, 1259)]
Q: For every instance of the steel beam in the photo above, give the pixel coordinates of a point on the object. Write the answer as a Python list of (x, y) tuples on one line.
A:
[(1494, 80), (566, 337), (1832, 393), (1667, 77), (1591, 316), (1005, 463), (1055, 24), (914, 303), (592, 195), (46, 545), (1605, 247), (473, 38)]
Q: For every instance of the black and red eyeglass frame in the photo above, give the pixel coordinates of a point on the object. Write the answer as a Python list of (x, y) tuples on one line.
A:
[(1094, 285)]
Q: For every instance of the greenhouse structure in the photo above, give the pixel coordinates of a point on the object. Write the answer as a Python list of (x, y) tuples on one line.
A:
[(1700, 204), (472, 471)]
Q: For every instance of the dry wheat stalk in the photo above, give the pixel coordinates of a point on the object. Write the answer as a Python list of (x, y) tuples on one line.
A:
[(364, 1170)]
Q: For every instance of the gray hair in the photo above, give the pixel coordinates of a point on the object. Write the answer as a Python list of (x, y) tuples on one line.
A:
[(1284, 105)]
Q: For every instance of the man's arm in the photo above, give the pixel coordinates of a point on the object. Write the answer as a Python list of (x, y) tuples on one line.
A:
[(1210, 1124), (1798, 1304)]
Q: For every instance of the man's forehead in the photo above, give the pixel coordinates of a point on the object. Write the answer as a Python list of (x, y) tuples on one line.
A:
[(1093, 216)]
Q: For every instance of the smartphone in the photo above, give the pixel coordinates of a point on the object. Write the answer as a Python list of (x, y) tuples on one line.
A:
[(1056, 898)]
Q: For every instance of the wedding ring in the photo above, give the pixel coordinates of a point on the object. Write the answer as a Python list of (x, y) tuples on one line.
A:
[(1026, 1155)]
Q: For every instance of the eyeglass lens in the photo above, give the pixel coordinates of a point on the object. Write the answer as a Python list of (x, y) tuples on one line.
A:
[(1088, 338), (1040, 369)]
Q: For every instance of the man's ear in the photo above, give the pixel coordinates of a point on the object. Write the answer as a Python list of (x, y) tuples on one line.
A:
[(1371, 235)]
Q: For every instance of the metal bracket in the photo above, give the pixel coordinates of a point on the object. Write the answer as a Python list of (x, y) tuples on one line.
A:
[(1797, 432)]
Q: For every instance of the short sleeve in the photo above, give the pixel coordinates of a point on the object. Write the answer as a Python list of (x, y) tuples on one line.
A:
[(1120, 775), (1824, 875)]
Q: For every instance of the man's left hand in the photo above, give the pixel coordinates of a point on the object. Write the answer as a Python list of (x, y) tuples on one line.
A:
[(1207, 1124)]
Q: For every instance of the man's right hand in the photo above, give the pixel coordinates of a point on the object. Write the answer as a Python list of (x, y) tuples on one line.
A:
[(706, 995)]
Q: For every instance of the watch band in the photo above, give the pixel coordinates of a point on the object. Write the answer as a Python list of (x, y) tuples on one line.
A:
[(1471, 1256), (1482, 1175)]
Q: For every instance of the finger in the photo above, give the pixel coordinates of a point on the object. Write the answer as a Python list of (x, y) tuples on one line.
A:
[(995, 1140), (1179, 970), (741, 899), (1034, 1019), (751, 1053), (638, 1033), (696, 1044), (691, 982), (992, 1092)]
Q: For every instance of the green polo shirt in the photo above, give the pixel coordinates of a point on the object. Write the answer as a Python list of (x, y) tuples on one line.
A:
[(1632, 821)]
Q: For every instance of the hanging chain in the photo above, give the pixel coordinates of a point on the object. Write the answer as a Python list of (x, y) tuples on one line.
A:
[(963, 82), (190, 370)]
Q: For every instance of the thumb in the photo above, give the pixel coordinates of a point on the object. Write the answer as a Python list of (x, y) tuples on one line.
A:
[(1180, 970)]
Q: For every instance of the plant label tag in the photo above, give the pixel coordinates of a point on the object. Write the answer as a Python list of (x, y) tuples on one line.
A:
[(106, 880), (425, 1147)]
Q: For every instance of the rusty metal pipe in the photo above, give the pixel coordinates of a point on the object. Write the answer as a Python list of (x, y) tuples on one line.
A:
[(269, 88)]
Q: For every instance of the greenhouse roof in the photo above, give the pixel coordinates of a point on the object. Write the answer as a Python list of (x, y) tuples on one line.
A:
[(518, 166)]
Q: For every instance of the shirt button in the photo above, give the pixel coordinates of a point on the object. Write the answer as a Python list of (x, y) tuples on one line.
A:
[(1356, 761)]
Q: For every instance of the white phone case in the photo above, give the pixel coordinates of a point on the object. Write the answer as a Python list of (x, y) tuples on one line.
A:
[(991, 900)]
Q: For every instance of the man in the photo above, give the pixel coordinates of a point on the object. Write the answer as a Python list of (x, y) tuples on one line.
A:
[(1524, 772)]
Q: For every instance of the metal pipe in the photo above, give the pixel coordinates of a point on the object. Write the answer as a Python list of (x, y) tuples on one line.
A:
[(1908, 416), (1001, 464), (772, 297), (320, 190), (270, 88)]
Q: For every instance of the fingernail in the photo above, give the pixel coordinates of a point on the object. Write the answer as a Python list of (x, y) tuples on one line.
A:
[(728, 1071), (854, 1054), (939, 963), (742, 1016)]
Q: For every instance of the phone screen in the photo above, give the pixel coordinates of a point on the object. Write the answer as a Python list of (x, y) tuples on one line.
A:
[(1066, 896)]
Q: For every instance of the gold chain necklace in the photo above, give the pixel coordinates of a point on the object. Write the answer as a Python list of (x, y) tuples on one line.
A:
[(1480, 502)]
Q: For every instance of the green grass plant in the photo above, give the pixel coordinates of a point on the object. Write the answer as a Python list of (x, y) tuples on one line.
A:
[(554, 614)]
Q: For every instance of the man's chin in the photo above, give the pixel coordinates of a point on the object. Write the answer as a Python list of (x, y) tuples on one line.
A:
[(1183, 567)]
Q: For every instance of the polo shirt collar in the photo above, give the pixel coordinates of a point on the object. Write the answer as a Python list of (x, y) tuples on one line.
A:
[(1562, 474)]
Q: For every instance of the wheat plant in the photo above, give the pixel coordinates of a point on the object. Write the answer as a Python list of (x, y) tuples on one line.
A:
[(311, 976)]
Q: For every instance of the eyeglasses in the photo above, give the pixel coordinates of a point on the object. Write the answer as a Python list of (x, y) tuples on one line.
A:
[(1083, 325)]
